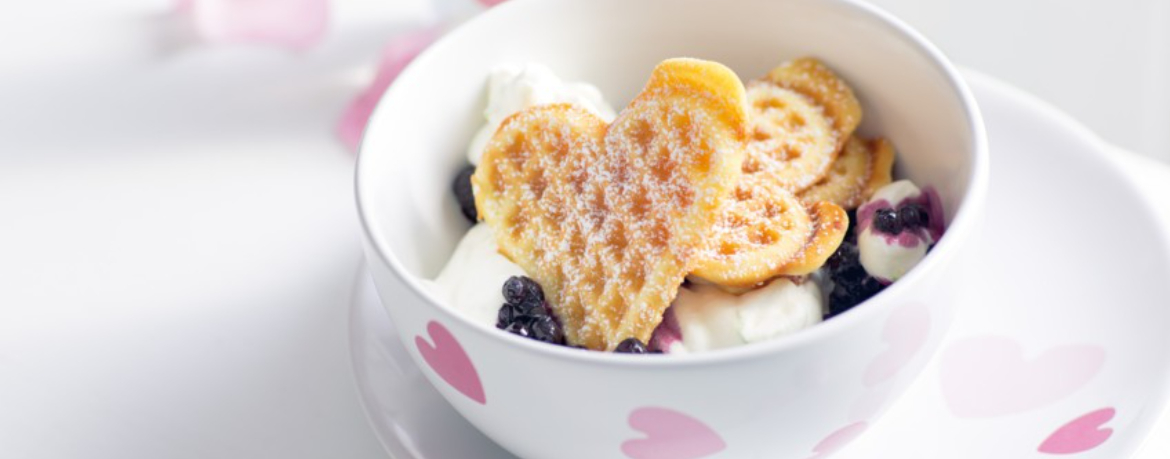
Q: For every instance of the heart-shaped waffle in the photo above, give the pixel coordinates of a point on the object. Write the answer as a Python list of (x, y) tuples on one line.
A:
[(765, 232), (801, 114), (862, 168), (610, 219)]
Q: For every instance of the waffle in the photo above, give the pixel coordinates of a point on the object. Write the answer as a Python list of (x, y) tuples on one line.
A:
[(610, 219), (801, 115), (766, 232), (811, 78), (862, 168)]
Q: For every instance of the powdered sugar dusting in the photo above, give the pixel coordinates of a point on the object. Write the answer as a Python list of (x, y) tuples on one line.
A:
[(762, 227), (608, 218), (811, 78), (791, 139)]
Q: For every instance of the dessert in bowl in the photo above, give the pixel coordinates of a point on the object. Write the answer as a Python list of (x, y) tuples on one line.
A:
[(774, 397)]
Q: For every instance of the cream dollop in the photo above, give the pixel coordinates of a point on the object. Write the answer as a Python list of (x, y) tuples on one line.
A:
[(889, 257), (512, 88), (708, 318), (473, 279)]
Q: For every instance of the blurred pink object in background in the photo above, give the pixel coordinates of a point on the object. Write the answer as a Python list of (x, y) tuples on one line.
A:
[(294, 24), (395, 56)]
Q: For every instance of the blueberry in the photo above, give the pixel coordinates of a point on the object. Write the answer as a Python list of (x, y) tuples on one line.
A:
[(526, 296), (514, 290), (913, 216), (853, 274), (843, 258), (519, 289), (846, 296), (887, 221), (464, 194), (631, 346), (851, 284), (845, 265), (851, 231), (533, 308), (506, 316), (526, 313), (520, 327), (532, 289), (546, 329)]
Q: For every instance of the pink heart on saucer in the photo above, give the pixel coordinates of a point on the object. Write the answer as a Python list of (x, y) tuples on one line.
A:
[(670, 435), (904, 334), (838, 439), (1080, 434), (450, 362), (988, 376), (296, 24)]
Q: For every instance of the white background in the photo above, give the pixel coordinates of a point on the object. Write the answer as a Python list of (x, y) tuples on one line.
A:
[(177, 238), (1107, 63)]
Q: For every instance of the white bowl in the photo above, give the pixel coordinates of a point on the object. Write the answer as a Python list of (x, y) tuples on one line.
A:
[(780, 399)]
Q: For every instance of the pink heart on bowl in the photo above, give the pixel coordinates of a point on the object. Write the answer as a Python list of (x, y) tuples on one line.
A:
[(450, 362), (296, 24), (904, 334), (987, 376), (491, 3), (670, 435), (1080, 434), (838, 439)]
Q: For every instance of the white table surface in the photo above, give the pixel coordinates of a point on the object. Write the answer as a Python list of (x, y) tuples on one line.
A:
[(178, 243)]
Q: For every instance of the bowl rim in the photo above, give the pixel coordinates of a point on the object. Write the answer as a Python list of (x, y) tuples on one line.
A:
[(963, 223)]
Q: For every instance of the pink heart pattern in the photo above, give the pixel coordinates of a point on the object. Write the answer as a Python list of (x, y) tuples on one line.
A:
[(296, 24), (670, 435), (838, 439), (1080, 434), (987, 376), (904, 334), (448, 359)]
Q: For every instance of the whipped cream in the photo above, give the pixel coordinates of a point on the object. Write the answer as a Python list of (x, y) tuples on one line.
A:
[(473, 279), (889, 257), (704, 317), (512, 88)]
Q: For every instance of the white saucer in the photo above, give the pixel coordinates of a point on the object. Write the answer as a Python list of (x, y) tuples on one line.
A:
[(1059, 351)]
